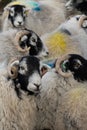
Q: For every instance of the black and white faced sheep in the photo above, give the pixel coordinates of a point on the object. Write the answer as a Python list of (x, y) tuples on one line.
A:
[(37, 47), (45, 20), (80, 5), (28, 75), (14, 43), (77, 65), (71, 72), (19, 85), (72, 111), (14, 16)]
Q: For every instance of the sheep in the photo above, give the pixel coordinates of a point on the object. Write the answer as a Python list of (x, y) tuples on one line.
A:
[(65, 39), (19, 86), (70, 72), (14, 43), (49, 16), (14, 16), (75, 7)]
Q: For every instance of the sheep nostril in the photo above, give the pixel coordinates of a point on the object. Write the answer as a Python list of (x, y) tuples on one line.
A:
[(19, 23), (47, 53), (37, 85)]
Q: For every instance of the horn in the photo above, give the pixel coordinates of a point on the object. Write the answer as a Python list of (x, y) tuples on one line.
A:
[(58, 66), (13, 68), (17, 38), (81, 20)]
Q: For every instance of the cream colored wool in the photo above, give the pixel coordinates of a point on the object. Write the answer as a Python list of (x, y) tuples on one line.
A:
[(9, 47), (54, 86), (72, 111), (15, 113), (59, 44)]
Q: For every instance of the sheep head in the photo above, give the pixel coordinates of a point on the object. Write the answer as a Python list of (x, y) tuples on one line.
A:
[(16, 14), (28, 40), (72, 64)]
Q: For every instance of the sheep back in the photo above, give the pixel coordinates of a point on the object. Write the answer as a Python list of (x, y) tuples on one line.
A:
[(71, 113), (54, 87)]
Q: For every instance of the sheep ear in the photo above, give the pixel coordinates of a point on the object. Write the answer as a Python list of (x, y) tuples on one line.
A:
[(26, 10), (44, 68), (7, 9), (77, 64), (13, 68)]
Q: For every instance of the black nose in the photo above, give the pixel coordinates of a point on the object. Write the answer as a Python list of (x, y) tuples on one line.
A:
[(37, 86), (47, 53), (19, 23)]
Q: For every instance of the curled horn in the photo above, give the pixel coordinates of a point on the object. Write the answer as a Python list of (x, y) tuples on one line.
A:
[(17, 38), (13, 68), (58, 66), (81, 20)]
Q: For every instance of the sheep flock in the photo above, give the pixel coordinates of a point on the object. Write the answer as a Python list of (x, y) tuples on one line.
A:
[(43, 65)]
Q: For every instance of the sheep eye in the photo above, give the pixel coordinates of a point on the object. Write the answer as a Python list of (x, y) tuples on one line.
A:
[(33, 39), (77, 18), (21, 67), (76, 65), (11, 11)]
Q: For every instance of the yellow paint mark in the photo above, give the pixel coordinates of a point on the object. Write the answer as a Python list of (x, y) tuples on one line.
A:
[(56, 41)]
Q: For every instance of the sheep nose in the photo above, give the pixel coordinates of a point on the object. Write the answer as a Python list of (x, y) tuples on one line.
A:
[(20, 23), (37, 85), (47, 53)]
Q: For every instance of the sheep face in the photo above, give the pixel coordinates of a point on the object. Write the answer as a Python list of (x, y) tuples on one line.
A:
[(32, 40), (76, 65), (80, 5), (29, 74), (17, 15)]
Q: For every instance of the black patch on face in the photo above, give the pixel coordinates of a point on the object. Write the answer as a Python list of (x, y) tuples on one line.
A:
[(32, 65), (18, 9), (79, 74), (82, 7), (35, 49), (65, 31)]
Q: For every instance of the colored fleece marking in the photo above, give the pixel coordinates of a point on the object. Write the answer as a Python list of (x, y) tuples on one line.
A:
[(31, 4), (57, 40)]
